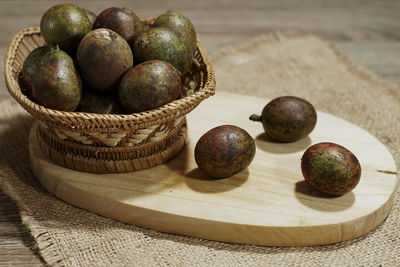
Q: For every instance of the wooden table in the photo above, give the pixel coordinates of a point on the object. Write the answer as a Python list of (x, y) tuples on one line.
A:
[(366, 31)]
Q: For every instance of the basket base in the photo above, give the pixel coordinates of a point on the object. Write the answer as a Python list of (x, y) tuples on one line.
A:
[(93, 165)]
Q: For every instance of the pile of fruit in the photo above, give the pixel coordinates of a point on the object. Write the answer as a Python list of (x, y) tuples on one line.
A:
[(127, 66), (110, 63)]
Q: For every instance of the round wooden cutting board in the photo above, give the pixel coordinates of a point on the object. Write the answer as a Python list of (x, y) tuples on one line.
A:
[(267, 204)]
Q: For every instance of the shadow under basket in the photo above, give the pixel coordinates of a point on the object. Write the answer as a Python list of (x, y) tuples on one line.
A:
[(110, 143)]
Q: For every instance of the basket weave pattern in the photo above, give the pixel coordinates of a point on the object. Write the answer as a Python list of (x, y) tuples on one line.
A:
[(149, 137)]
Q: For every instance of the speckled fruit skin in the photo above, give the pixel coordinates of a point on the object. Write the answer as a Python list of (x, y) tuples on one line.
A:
[(30, 68), (91, 16), (149, 85), (288, 118), (224, 151), (163, 44), (181, 25), (98, 102), (57, 84), (65, 25), (330, 168), (141, 27), (120, 20), (103, 57)]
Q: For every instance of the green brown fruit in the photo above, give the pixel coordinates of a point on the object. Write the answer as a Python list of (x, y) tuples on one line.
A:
[(57, 84), (122, 21), (30, 68), (141, 27), (287, 118), (163, 44), (103, 57), (179, 24), (330, 168), (91, 16), (65, 25), (224, 151), (149, 85), (98, 102)]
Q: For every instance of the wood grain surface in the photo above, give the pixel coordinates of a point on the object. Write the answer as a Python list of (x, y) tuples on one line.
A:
[(266, 204), (366, 31)]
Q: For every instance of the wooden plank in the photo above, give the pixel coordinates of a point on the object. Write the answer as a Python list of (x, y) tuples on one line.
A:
[(16, 243)]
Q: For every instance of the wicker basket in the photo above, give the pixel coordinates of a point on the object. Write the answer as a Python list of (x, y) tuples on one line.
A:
[(107, 143)]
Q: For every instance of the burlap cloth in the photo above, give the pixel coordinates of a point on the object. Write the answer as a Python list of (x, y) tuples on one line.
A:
[(268, 66)]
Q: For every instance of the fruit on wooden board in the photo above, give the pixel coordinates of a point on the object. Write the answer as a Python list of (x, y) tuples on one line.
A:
[(57, 84), (103, 57), (163, 44), (122, 21), (149, 85), (65, 25), (224, 151), (287, 118), (330, 168), (179, 24)]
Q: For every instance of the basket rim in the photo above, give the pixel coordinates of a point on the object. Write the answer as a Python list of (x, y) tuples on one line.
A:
[(176, 108)]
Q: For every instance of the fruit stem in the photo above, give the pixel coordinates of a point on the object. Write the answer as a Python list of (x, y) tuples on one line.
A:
[(255, 117)]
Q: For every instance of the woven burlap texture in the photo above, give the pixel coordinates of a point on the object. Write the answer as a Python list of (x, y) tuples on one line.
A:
[(268, 66)]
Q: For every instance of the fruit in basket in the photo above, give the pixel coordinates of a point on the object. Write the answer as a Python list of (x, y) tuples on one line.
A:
[(57, 84), (91, 16), (122, 21), (99, 102), (163, 44), (103, 57), (30, 68), (64, 25), (330, 168), (149, 85), (224, 151), (179, 24), (287, 118)]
